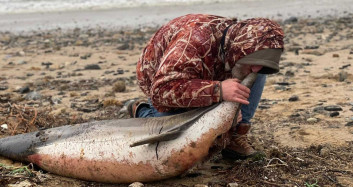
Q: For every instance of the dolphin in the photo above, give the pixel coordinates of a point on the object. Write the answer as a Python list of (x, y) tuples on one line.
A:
[(127, 150)]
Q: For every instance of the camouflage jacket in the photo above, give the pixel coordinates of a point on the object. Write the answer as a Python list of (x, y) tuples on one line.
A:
[(182, 64)]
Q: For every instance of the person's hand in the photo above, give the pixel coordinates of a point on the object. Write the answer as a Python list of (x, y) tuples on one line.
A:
[(233, 91)]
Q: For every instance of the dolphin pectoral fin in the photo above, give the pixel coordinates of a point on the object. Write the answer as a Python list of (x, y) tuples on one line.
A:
[(177, 129), (166, 136)]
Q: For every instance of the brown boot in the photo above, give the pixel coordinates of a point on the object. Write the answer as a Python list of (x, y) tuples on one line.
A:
[(239, 147), (133, 105)]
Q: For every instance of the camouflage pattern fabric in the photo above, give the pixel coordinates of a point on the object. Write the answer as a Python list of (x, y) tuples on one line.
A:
[(182, 64)]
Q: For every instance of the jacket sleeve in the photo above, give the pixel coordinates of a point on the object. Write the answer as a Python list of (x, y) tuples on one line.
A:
[(180, 79)]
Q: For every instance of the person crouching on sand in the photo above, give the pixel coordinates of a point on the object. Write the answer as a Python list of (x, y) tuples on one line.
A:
[(187, 63)]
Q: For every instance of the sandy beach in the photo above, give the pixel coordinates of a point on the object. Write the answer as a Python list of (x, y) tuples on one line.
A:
[(139, 17), (64, 68)]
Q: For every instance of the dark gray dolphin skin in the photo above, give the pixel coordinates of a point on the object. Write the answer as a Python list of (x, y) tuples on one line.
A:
[(126, 150)]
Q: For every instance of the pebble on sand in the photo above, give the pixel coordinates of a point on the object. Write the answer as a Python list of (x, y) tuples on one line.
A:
[(334, 114), (24, 89), (33, 96), (119, 86), (4, 87), (200, 185), (349, 124), (92, 67), (124, 46), (333, 108), (136, 184), (233, 184), (293, 98), (4, 126), (311, 120)]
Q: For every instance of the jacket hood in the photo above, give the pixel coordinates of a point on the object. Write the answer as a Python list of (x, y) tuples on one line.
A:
[(252, 35)]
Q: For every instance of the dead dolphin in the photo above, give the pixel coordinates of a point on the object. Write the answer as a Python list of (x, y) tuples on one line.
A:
[(100, 151)]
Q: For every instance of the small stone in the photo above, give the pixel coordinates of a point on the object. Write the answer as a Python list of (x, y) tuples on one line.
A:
[(24, 89), (136, 184), (33, 96), (333, 108), (283, 88), (349, 124), (6, 39), (283, 83), (21, 62), (295, 115), (325, 151), (312, 47), (47, 64), (200, 185), (47, 43), (108, 72), (318, 109), (293, 98), (311, 120), (342, 76), (119, 86), (55, 101), (233, 184), (124, 46), (92, 67), (264, 106), (120, 71), (84, 36), (4, 126), (3, 87), (335, 55), (344, 66), (289, 73), (291, 20), (334, 114), (21, 53), (61, 66), (84, 57), (84, 94), (78, 42), (67, 63)]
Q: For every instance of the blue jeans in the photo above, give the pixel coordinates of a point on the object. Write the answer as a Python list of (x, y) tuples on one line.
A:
[(247, 111)]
